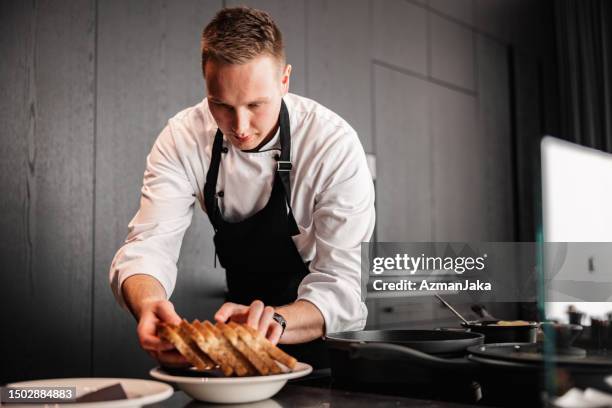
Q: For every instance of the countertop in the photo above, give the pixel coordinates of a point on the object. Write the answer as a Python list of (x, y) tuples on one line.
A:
[(316, 390), (295, 395)]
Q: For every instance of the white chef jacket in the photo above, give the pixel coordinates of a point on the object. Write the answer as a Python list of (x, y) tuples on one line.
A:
[(332, 196)]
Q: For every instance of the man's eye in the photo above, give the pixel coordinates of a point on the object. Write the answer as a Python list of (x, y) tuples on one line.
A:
[(222, 105), (254, 105)]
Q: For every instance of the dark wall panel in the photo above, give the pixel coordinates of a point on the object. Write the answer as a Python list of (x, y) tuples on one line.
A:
[(148, 70), (528, 133), (459, 194), (494, 124), (338, 61), (393, 20), (46, 173), (452, 52), (404, 177)]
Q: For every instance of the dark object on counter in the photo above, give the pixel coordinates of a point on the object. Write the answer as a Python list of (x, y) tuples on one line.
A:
[(563, 335), (574, 316), (600, 333), (406, 362), (111, 393), (495, 333)]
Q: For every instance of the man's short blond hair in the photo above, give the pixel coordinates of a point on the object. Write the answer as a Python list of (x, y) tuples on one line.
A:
[(236, 35)]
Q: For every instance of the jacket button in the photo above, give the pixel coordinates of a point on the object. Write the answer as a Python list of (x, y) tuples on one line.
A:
[(220, 194), (224, 149)]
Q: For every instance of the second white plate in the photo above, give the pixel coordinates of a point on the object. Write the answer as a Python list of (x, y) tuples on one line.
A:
[(139, 392)]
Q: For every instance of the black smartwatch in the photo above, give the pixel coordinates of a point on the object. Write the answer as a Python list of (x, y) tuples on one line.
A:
[(280, 320)]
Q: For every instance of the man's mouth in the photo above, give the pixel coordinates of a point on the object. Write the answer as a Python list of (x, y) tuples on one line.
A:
[(242, 138)]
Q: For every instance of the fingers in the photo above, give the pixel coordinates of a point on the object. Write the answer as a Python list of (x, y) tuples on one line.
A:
[(228, 310), (147, 334), (255, 311), (275, 331), (151, 342), (165, 312), (147, 326), (257, 315), (266, 319)]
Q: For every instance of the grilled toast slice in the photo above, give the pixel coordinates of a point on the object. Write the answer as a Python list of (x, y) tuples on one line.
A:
[(207, 347), (274, 352), (242, 366), (244, 348), (171, 334), (251, 341)]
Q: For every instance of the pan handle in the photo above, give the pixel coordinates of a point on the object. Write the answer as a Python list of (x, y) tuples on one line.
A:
[(385, 351)]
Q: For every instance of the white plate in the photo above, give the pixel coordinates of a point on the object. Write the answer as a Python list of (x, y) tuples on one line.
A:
[(232, 390), (139, 392)]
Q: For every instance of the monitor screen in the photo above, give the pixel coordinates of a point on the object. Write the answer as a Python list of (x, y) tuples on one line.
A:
[(577, 208)]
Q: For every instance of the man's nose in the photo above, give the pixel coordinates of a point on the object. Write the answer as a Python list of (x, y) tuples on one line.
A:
[(241, 122)]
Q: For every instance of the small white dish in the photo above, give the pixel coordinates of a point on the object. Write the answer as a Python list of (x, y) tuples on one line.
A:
[(139, 392), (232, 390)]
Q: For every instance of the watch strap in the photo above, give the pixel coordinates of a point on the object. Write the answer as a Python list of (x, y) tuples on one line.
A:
[(280, 320)]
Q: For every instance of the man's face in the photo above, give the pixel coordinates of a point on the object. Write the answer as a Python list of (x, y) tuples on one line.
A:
[(245, 99)]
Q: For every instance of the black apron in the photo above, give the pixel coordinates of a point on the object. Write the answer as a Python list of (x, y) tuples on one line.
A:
[(260, 258)]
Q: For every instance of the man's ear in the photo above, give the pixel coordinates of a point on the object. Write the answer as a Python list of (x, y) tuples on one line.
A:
[(285, 79)]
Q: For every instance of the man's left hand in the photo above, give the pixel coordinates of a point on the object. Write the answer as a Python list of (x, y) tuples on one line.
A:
[(257, 315)]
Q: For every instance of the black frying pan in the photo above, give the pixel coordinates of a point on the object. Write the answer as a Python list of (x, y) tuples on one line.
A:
[(415, 362), (436, 342)]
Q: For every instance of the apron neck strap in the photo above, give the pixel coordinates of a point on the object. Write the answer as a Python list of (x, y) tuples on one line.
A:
[(284, 163), (284, 166), (210, 187)]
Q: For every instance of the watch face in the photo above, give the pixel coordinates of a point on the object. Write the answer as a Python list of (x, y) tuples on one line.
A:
[(280, 320)]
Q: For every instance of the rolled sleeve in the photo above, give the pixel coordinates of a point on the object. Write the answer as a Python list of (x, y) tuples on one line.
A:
[(156, 232), (344, 217)]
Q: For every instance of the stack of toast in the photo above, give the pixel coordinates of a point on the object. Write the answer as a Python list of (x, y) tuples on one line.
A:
[(237, 349)]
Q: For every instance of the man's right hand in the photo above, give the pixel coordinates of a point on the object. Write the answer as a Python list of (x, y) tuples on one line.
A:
[(146, 299), (150, 315)]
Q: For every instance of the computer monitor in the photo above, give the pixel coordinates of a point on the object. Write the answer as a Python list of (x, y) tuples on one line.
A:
[(577, 207)]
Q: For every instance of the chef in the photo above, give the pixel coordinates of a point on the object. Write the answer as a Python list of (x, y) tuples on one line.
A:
[(285, 184)]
